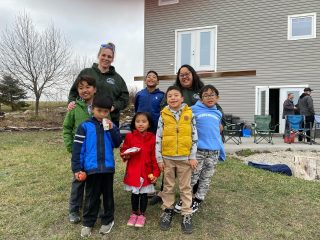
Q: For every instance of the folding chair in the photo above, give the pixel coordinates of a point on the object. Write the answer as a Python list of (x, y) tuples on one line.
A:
[(262, 129), (316, 126), (297, 126), (232, 131)]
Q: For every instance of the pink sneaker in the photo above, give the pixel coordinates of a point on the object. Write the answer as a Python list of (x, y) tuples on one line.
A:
[(132, 220), (141, 220)]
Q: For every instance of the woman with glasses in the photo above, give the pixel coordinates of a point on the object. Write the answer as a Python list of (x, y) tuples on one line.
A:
[(108, 82)]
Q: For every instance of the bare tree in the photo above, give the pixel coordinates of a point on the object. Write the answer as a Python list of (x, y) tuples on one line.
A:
[(38, 60)]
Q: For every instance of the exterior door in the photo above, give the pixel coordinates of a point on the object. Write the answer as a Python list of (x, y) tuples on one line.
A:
[(262, 100), (297, 91)]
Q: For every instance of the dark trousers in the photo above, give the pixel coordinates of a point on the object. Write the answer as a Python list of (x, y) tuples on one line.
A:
[(76, 196), (139, 203), (97, 185), (309, 125)]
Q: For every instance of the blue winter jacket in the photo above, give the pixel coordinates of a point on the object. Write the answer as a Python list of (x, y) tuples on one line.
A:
[(146, 101), (92, 150), (208, 122)]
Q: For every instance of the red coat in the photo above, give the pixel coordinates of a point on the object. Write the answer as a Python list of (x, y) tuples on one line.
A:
[(143, 162)]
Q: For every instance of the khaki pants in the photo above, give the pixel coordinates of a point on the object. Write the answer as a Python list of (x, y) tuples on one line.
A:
[(182, 170)]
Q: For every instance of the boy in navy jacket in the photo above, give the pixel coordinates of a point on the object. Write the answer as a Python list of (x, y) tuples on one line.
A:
[(93, 154)]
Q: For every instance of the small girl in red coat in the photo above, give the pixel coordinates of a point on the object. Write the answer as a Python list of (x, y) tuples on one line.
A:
[(142, 170)]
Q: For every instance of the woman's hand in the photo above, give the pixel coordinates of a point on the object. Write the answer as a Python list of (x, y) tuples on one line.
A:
[(71, 105)]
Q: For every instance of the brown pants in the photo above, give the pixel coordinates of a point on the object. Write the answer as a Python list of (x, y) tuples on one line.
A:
[(180, 169)]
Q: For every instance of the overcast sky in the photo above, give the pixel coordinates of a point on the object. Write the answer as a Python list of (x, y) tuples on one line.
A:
[(87, 24)]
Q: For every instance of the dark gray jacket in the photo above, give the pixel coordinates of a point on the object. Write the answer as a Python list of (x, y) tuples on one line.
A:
[(306, 106), (288, 108)]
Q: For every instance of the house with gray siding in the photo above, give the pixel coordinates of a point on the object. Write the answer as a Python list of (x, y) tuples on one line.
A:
[(277, 38)]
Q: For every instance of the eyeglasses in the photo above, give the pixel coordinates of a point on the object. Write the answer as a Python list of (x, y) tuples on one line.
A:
[(209, 96), (184, 75), (108, 45)]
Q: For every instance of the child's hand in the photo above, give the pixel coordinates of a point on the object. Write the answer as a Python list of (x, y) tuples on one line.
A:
[(71, 105), (125, 156), (193, 163), (161, 166), (154, 179)]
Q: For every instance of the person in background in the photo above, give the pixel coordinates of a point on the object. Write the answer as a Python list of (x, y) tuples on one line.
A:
[(305, 105), (92, 154), (86, 88), (176, 147), (142, 169), (149, 99), (288, 109), (109, 82)]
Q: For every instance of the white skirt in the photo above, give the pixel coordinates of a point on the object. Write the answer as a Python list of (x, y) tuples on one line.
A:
[(136, 190)]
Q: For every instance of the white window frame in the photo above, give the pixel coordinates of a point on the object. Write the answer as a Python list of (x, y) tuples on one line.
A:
[(196, 46), (167, 2), (313, 30)]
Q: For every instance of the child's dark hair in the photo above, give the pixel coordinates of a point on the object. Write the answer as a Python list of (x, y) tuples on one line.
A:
[(102, 101), (148, 116), (154, 72), (206, 88), (85, 78), (174, 87)]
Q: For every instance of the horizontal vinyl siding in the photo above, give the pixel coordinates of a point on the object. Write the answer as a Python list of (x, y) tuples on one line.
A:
[(251, 35)]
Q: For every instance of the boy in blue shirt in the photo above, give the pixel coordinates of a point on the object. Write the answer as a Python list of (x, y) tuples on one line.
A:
[(92, 153), (210, 146), (149, 99)]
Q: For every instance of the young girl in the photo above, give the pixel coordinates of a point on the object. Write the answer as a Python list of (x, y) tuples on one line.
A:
[(142, 168)]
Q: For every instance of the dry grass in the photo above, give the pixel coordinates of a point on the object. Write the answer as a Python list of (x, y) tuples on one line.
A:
[(243, 202)]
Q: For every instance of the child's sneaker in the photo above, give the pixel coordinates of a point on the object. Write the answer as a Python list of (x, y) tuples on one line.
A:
[(141, 220), (85, 231), (106, 228), (132, 220), (74, 217), (195, 206), (177, 207), (186, 224), (165, 219)]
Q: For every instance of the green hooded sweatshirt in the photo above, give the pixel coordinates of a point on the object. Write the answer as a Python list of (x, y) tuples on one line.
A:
[(110, 83), (72, 120)]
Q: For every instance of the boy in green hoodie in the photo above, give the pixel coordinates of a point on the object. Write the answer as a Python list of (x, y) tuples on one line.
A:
[(86, 87)]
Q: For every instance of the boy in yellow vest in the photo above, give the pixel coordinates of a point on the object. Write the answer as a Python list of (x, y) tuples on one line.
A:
[(176, 147)]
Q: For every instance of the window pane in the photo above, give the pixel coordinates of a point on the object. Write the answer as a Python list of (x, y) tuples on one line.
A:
[(185, 48), (301, 26), (263, 103), (205, 48)]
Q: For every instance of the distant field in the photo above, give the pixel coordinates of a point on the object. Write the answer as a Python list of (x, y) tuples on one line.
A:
[(43, 104), (243, 202)]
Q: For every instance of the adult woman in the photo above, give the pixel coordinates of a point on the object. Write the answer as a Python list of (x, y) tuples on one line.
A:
[(108, 81)]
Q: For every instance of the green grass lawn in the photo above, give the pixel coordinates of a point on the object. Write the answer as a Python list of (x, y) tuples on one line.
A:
[(243, 202)]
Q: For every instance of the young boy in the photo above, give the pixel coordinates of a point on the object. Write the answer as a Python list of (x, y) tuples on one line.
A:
[(176, 146), (210, 146), (149, 99), (86, 87), (92, 153)]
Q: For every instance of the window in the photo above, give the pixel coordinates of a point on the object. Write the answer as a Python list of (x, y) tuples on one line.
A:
[(167, 2), (302, 26), (196, 47)]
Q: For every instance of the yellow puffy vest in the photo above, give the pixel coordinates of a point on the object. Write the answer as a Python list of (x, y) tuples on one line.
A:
[(176, 137)]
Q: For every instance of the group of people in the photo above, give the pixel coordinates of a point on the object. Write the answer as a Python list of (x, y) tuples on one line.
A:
[(303, 107), (177, 133)]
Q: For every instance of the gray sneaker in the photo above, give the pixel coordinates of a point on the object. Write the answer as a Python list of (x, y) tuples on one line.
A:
[(165, 219), (85, 231), (186, 224), (106, 228), (74, 217)]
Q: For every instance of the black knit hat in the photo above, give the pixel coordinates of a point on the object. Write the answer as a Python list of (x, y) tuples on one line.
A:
[(307, 89)]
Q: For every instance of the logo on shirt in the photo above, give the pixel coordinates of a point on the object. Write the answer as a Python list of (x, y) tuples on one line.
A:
[(196, 96), (186, 118), (110, 80)]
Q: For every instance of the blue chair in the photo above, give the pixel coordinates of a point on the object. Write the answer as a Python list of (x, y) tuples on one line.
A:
[(297, 126), (316, 126)]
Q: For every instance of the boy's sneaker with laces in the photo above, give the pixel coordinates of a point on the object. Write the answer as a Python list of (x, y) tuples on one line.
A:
[(186, 224), (195, 206), (141, 220), (74, 217), (132, 220), (178, 206), (85, 231), (106, 228), (165, 219)]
